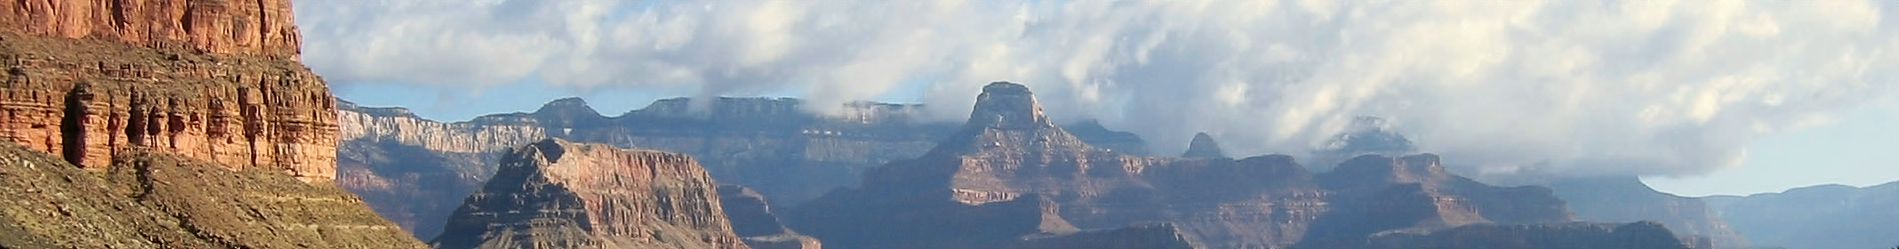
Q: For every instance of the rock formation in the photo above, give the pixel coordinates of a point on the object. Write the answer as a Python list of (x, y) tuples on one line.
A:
[(557, 194), (176, 124), (754, 221), (1010, 156), (262, 28), (1638, 235), (1627, 199), (1825, 216), (131, 85), (786, 154), (1203, 146), (159, 200)]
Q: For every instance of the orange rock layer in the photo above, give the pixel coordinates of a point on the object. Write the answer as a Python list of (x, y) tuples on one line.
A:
[(256, 27), (88, 101)]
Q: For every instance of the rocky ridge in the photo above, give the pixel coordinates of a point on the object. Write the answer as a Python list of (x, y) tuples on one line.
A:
[(786, 154), (1010, 156), (1627, 199), (558, 194), (1825, 216)]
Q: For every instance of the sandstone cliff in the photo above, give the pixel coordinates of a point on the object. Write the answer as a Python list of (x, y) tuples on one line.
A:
[(557, 194), (88, 100), (1009, 153), (262, 28), (158, 200)]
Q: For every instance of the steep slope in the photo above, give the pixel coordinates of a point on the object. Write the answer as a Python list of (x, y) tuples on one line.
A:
[(1009, 153), (1825, 216), (155, 200), (769, 144), (753, 219), (1627, 199), (557, 194)]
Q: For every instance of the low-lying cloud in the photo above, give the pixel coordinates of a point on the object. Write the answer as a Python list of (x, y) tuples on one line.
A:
[(1641, 87)]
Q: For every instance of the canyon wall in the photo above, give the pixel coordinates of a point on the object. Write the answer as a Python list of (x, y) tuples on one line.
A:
[(212, 80), (262, 28)]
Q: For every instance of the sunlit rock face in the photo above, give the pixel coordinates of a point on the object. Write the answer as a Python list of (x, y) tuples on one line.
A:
[(1009, 154), (206, 79), (558, 194)]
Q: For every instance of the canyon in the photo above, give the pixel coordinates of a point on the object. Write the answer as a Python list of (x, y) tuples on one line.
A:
[(1009, 173), (169, 124)]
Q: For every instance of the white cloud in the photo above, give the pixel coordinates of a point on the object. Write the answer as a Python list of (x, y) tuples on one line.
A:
[(1648, 87)]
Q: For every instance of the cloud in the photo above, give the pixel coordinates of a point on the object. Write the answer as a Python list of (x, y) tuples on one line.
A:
[(1641, 87)]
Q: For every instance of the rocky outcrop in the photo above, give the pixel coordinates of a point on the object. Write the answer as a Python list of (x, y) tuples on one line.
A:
[(1825, 216), (89, 100), (1627, 199), (262, 28), (1010, 154), (160, 200), (557, 194), (754, 221), (1638, 235), (1203, 146)]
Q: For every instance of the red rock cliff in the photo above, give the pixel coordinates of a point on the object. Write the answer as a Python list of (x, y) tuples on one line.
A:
[(253, 27), (207, 79), (556, 194)]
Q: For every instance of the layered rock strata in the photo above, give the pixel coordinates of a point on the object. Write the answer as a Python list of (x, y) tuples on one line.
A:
[(91, 99), (1010, 154), (557, 194), (262, 28), (389, 155)]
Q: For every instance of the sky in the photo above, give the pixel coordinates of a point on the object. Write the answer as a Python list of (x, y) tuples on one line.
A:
[(1698, 97)]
